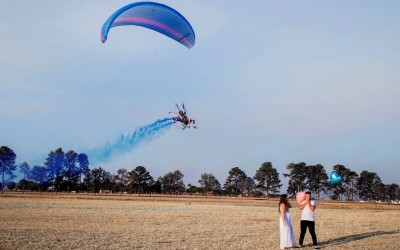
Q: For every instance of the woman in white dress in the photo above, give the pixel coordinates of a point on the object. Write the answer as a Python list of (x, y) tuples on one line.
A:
[(286, 230)]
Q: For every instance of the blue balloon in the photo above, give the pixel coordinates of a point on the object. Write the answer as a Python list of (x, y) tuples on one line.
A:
[(335, 178)]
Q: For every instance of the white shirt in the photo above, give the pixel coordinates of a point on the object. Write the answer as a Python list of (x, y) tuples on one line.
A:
[(307, 213)]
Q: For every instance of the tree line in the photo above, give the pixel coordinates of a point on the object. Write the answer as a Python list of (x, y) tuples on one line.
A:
[(70, 171)]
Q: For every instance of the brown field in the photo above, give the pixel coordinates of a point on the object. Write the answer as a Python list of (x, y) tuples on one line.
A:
[(33, 221)]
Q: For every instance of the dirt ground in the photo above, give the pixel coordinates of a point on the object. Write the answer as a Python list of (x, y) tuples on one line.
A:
[(126, 222)]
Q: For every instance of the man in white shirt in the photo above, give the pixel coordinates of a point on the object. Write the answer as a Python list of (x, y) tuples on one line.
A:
[(307, 208)]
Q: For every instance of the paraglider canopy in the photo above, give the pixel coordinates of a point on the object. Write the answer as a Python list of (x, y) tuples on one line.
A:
[(150, 35), (154, 16)]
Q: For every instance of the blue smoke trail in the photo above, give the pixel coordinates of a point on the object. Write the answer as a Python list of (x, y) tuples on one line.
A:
[(127, 143)]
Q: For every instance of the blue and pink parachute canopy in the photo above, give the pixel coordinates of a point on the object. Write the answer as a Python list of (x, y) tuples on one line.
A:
[(154, 16)]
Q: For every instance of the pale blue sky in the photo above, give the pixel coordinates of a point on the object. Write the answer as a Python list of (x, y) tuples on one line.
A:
[(278, 81)]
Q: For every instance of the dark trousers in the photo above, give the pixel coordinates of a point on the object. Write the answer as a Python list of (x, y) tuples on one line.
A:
[(311, 226)]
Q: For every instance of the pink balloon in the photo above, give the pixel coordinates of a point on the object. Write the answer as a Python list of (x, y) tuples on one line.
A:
[(300, 197)]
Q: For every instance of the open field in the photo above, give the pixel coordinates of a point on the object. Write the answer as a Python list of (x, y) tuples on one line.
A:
[(33, 221)]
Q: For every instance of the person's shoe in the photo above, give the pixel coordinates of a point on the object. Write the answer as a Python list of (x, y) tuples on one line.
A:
[(194, 126), (316, 247), (299, 246)]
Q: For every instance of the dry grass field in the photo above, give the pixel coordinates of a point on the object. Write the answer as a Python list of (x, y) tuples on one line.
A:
[(33, 221)]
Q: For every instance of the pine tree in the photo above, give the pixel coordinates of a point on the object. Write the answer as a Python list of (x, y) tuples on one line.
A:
[(7, 163), (70, 172), (367, 184), (235, 180), (268, 178), (141, 177), (25, 169), (297, 178), (317, 179)]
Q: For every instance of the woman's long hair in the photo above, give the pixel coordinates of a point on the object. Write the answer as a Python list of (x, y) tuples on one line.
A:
[(283, 200)]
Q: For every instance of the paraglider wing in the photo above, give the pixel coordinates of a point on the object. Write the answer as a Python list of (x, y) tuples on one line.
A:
[(154, 16)]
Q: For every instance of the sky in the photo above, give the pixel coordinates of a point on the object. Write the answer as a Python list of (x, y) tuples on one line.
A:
[(267, 81)]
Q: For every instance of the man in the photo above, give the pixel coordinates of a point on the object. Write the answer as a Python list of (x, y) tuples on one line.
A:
[(183, 118), (307, 208)]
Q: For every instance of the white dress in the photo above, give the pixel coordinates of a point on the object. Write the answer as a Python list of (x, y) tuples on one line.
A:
[(287, 236)]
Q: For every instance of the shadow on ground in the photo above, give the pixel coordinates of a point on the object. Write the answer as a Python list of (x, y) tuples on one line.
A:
[(354, 237)]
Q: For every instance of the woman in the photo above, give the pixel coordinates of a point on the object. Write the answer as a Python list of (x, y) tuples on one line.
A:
[(286, 230)]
